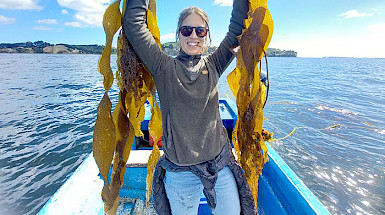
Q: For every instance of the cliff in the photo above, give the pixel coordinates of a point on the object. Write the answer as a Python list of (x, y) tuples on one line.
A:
[(44, 47), (170, 48), (273, 52)]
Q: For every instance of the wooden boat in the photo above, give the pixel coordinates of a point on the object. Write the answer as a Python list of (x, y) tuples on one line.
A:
[(280, 190)]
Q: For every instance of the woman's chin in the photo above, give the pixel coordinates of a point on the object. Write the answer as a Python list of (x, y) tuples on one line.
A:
[(193, 51)]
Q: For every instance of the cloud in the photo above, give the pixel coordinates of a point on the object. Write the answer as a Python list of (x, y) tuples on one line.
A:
[(89, 19), (42, 28), (354, 13), (20, 4), (64, 11), (6, 20), (336, 45), (47, 21), (379, 27), (89, 12), (167, 37), (73, 24), (224, 3)]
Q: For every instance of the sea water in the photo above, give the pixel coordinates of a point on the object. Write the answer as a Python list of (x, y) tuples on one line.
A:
[(48, 109)]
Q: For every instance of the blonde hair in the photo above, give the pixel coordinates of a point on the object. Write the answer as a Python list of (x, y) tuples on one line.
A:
[(195, 10)]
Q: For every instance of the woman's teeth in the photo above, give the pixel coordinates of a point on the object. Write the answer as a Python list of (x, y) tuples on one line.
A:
[(192, 43)]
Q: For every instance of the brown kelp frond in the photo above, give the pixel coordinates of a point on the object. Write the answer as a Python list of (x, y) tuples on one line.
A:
[(244, 81), (115, 133)]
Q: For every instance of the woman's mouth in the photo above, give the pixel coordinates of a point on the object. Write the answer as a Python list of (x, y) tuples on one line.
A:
[(193, 43)]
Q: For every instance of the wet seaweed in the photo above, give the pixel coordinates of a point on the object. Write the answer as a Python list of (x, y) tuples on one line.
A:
[(114, 133), (244, 81)]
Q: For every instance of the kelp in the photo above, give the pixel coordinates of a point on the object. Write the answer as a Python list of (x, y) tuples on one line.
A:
[(114, 133), (244, 81)]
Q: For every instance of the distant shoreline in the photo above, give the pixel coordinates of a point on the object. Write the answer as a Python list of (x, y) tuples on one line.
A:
[(41, 47)]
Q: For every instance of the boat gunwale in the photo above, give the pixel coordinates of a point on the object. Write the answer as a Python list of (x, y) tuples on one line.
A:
[(88, 171)]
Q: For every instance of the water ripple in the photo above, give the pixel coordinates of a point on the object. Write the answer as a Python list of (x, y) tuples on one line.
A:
[(49, 109)]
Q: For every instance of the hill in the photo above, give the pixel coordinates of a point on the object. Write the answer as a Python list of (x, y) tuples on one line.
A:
[(44, 47), (170, 48), (273, 52)]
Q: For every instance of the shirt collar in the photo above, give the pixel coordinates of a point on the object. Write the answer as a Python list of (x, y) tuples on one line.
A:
[(185, 58)]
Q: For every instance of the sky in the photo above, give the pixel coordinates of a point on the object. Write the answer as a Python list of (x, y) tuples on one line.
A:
[(327, 28)]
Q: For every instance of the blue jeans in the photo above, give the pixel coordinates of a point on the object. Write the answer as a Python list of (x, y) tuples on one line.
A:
[(184, 190)]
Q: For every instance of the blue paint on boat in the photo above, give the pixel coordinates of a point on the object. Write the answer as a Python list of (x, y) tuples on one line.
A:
[(280, 190)]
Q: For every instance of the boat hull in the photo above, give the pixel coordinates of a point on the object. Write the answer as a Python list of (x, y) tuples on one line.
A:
[(280, 190)]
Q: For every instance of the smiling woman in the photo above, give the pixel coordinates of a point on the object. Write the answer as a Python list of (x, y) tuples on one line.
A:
[(197, 153), (194, 138), (192, 30)]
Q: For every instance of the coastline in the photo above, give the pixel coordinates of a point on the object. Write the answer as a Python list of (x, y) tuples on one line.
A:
[(41, 47)]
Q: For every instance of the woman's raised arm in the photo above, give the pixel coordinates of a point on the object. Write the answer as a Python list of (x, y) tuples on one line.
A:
[(222, 56), (140, 38)]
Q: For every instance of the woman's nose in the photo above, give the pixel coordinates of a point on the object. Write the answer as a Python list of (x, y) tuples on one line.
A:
[(193, 34)]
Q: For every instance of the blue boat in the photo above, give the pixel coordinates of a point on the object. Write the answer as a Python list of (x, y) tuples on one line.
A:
[(280, 190)]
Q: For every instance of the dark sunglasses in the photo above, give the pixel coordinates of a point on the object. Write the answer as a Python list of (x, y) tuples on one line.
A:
[(199, 31)]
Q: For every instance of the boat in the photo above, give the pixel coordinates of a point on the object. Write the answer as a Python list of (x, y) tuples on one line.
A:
[(280, 190)]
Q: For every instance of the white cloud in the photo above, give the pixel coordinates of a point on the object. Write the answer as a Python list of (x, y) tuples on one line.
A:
[(167, 37), (89, 12), (378, 28), (224, 3), (89, 19), (6, 20), (354, 13), (73, 24), (64, 11), (42, 28), (20, 4), (47, 21), (366, 44)]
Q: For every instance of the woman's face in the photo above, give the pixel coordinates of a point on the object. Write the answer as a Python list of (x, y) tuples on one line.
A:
[(192, 44)]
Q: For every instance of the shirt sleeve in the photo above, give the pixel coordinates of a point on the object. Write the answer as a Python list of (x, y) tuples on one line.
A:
[(141, 39), (222, 57)]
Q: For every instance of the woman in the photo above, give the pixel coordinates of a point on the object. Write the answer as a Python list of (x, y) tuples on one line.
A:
[(197, 151)]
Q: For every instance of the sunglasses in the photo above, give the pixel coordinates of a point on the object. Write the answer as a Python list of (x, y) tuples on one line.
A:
[(199, 31)]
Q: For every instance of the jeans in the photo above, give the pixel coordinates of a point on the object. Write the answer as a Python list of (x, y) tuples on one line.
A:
[(184, 190)]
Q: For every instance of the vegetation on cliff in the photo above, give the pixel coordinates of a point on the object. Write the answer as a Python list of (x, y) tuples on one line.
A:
[(44, 47), (273, 52), (170, 48)]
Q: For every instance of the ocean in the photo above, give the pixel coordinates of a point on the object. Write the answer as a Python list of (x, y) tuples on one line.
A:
[(48, 109)]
